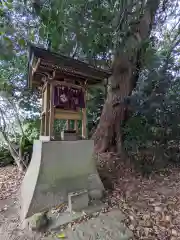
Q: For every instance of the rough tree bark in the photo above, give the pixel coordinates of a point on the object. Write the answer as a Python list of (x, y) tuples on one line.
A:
[(125, 70)]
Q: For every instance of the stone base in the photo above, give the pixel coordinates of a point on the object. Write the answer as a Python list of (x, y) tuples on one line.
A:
[(56, 169), (45, 138), (78, 200), (39, 222), (69, 136)]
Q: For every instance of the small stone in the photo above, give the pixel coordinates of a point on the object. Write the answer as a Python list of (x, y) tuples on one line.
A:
[(84, 213), (5, 208), (69, 225), (131, 227), (158, 209), (96, 214), (167, 218), (174, 232), (38, 222), (131, 218)]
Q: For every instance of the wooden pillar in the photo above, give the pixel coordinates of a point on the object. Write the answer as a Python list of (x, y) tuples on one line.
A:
[(76, 125), (68, 126), (84, 119), (47, 108), (84, 123), (42, 114), (51, 111)]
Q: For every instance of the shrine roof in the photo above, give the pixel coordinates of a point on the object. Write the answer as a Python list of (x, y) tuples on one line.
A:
[(43, 62)]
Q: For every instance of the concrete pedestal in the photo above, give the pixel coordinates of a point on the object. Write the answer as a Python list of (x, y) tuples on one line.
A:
[(56, 169)]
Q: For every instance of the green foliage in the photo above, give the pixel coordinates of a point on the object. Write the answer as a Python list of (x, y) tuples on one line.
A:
[(94, 107), (5, 157), (137, 131), (31, 129), (152, 133)]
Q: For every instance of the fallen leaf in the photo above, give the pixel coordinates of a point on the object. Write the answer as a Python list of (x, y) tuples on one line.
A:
[(131, 227), (167, 219), (174, 232), (153, 208), (131, 218), (61, 235), (158, 209)]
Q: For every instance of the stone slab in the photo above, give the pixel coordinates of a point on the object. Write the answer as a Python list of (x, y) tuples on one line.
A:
[(107, 226), (58, 220), (78, 200)]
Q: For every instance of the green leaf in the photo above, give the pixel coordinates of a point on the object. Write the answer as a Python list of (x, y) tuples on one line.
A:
[(22, 42), (42, 31), (7, 39)]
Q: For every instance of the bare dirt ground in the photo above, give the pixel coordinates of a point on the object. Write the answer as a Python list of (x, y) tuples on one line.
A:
[(152, 207), (10, 226)]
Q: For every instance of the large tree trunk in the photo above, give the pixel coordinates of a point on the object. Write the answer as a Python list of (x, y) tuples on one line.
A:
[(122, 82)]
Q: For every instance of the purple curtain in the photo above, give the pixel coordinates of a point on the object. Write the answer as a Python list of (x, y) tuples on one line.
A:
[(68, 98)]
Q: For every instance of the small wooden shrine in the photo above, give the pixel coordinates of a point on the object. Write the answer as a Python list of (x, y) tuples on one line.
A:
[(63, 84)]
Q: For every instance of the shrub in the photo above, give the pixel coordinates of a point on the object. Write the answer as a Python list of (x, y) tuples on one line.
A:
[(5, 157)]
